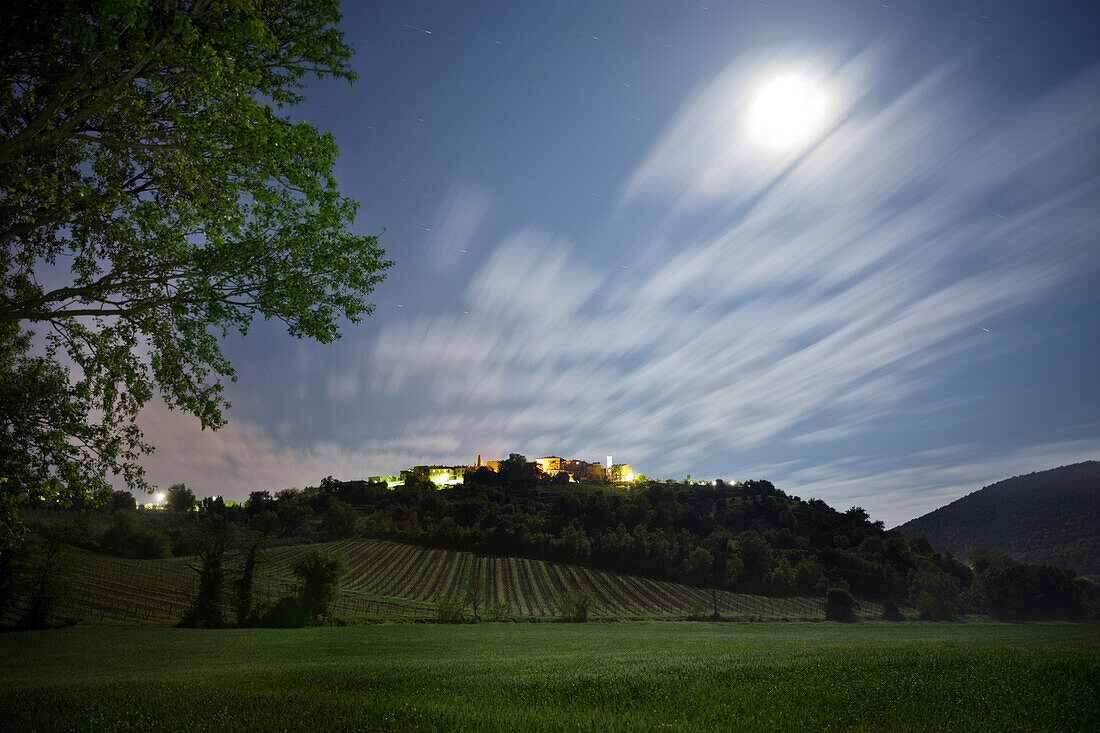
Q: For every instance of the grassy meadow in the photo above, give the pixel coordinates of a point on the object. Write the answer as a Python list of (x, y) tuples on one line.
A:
[(521, 676)]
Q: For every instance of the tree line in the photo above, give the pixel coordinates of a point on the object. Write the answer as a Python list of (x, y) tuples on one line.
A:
[(749, 537)]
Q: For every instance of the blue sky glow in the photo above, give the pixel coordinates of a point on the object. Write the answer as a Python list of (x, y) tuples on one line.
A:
[(595, 256)]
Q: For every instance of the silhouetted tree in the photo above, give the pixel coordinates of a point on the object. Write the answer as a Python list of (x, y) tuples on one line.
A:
[(123, 500), (935, 594), (179, 498), (212, 539), (339, 521), (128, 537), (251, 555), (756, 557), (839, 605), (149, 160), (517, 471), (320, 572)]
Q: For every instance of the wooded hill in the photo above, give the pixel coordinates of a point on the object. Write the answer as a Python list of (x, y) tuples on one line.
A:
[(728, 540), (1046, 518)]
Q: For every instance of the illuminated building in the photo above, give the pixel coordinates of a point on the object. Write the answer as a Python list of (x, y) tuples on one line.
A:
[(620, 473), (550, 465), (576, 469)]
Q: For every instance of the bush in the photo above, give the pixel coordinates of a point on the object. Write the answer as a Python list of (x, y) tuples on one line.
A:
[(498, 611), (699, 609), (288, 613), (936, 595), (127, 537), (573, 606), (840, 606), (890, 612), (450, 610)]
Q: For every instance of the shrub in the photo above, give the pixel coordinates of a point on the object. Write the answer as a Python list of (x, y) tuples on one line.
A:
[(498, 611), (573, 606), (890, 612), (127, 537), (698, 610), (450, 610), (840, 606), (288, 613)]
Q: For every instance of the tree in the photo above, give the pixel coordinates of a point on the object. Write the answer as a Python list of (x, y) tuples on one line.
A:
[(123, 500), (320, 572), (179, 498), (472, 597), (251, 555), (756, 556), (516, 471), (935, 594), (128, 537), (840, 606), (339, 521), (154, 196), (212, 538), (806, 576)]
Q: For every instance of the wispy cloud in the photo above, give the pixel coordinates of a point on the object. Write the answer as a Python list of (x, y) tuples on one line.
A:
[(460, 215), (925, 481), (786, 300), (829, 293)]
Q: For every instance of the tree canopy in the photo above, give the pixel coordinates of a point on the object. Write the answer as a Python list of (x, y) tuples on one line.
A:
[(155, 195)]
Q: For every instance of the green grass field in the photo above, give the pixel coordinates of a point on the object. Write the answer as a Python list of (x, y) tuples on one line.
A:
[(521, 676)]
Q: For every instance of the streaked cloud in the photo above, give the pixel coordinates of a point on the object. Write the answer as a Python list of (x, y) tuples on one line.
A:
[(783, 302), (925, 481), (832, 288), (461, 213)]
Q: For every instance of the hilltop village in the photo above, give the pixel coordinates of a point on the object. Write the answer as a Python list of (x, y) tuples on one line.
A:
[(552, 466)]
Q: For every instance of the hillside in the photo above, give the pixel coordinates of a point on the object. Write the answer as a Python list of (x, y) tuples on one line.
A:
[(1046, 518), (395, 580)]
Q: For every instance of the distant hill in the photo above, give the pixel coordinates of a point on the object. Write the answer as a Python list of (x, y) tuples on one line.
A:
[(1045, 518)]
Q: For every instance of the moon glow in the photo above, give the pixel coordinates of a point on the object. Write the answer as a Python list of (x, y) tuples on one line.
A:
[(788, 111)]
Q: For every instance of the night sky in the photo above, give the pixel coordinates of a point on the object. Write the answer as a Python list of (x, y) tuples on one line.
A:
[(849, 247)]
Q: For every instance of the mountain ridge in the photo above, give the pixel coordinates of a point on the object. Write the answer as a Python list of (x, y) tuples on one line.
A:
[(1047, 517)]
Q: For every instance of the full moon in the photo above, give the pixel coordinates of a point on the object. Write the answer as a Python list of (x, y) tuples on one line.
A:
[(787, 112)]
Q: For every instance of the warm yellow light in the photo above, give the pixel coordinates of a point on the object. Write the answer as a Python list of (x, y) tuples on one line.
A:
[(788, 111)]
